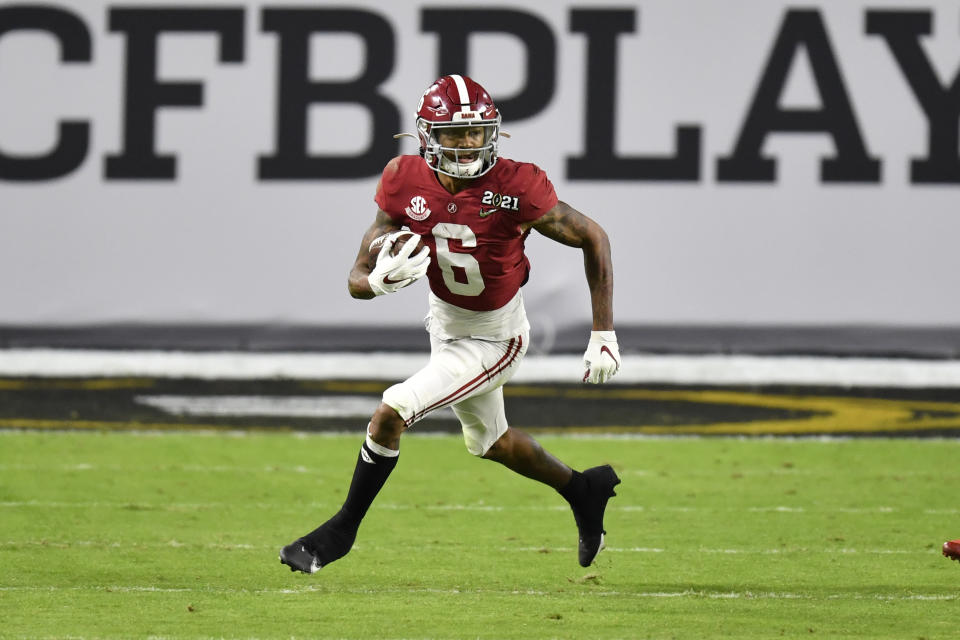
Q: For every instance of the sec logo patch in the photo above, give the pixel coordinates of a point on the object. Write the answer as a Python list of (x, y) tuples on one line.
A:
[(418, 209)]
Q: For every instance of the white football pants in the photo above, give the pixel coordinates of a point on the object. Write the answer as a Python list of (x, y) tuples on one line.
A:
[(468, 375)]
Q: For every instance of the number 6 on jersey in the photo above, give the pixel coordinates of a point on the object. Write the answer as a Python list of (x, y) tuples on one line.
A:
[(447, 260)]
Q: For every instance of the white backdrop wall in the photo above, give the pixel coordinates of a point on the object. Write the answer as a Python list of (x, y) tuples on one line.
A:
[(750, 222)]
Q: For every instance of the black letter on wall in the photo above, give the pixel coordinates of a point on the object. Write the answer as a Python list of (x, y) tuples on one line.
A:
[(296, 92), (801, 28), (902, 31), (144, 95), (455, 27), (599, 161), (74, 136)]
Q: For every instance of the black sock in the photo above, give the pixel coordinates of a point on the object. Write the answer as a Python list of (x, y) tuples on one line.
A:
[(369, 476), (575, 489)]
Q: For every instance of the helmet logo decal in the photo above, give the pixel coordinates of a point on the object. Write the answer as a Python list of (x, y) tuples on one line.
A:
[(418, 209)]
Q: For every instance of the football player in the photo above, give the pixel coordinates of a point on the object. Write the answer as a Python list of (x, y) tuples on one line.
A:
[(472, 211)]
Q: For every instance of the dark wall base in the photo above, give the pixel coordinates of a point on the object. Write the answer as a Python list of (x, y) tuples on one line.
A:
[(865, 341)]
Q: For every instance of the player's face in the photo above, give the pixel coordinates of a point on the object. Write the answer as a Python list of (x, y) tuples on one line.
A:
[(461, 138)]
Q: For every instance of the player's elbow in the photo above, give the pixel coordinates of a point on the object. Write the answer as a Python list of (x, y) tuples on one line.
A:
[(597, 259), (596, 242), (359, 287), (360, 295)]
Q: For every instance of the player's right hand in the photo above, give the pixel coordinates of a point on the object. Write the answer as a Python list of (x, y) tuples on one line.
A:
[(394, 272), (601, 361)]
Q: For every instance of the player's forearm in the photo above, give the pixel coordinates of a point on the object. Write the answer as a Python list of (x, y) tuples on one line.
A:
[(358, 282), (598, 265), (359, 285)]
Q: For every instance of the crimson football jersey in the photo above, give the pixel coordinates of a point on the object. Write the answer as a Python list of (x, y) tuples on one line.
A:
[(475, 236)]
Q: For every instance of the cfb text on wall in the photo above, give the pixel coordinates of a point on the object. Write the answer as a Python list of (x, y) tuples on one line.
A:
[(801, 31)]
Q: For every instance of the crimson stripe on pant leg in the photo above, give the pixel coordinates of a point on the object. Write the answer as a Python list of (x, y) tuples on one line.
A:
[(486, 374), (513, 350)]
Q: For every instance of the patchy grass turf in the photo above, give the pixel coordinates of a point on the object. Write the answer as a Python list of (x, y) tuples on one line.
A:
[(110, 535)]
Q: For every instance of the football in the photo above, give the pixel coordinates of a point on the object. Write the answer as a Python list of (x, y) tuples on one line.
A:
[(377, 244)]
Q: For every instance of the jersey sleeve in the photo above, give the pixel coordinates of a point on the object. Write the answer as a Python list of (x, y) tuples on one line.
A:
[(539, 194), (388, 190)]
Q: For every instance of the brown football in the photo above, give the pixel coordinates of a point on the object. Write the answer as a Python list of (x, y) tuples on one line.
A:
[(377, 244)]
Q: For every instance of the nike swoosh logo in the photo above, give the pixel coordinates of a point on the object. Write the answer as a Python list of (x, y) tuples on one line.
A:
[(366, 456), (387, 280), (610, 353), (486, 212)]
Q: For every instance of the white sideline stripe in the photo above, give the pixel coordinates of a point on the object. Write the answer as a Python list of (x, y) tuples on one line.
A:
[(187, 506), (176, 544), (66, 544), (637, 368), (688, 593), (763, 552), (172, 468), (274, 406), (197, 468)]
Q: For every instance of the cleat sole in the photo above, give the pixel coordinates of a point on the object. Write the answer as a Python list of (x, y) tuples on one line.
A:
[(296, 556)]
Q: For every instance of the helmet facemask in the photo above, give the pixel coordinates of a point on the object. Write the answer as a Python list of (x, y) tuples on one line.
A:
[(455, 161)]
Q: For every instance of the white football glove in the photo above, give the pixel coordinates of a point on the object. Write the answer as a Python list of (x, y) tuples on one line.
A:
[(392, 273), (602, 358)]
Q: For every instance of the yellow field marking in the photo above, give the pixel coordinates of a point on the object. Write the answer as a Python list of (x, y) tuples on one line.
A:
[(832, 414)]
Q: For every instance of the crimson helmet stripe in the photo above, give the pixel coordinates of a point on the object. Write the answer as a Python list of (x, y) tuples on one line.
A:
[(462, 90)]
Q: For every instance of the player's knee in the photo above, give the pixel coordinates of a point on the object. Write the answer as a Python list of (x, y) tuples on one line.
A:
[(476, 448), (386, 426), (499, 450)]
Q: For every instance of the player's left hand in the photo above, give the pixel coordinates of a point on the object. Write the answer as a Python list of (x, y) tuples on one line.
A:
[(602, 358), (394, 272)]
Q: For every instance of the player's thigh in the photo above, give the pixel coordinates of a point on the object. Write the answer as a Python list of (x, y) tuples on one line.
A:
[(457, 370)]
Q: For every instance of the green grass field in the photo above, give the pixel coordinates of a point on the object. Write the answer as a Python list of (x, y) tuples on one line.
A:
[(114, 535)]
